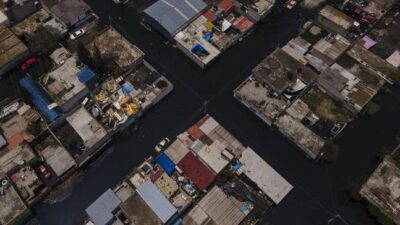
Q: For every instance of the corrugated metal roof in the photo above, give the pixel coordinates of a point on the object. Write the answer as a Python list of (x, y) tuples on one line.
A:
[(173, 14), (196, 171), (156, 201), (40, 99), (100, 212)]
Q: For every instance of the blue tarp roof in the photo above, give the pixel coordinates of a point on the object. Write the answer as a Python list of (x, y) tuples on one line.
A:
[(40, 99), (166, 163), (128, 87), (173, 14), (101, 211), (156, 201), (85, 75)]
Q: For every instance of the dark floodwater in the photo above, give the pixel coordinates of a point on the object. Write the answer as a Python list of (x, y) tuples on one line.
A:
[(318, 193)]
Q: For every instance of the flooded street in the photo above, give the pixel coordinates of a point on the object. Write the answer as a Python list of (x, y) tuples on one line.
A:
[(319, 192)]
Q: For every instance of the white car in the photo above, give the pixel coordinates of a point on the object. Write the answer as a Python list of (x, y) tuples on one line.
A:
[(162, 145), (76, 34), (291, 4)]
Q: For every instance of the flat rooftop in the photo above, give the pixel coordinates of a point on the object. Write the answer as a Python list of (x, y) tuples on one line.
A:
[(87, 127), (10, 46), (383, 189), (253, 94), (11, 206), (143, 216), (215, 208), (9, 159), (30, 24), (262, 174), (280, 71), (115, 47), (260, 6), (166, 185), (191, 38), (62, 83), (303, 137)]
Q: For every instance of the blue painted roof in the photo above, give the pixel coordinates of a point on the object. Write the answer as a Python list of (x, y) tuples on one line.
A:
[(166, 163), (40, 99), (173, 14), (156, 201), (86, 75), (101, 211)]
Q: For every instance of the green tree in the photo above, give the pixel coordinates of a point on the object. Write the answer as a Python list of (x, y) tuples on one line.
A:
[(45, 40), (371, 108), (98, 61), (34, 128), (84, 55), (330, 152)]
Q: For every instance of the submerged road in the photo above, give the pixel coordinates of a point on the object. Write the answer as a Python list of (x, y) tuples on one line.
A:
[(319, 190)]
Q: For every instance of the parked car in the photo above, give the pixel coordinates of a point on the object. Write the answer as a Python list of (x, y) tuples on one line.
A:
[(76, 34), (29, 62), (162, 145), (45, 173), (290, 4)]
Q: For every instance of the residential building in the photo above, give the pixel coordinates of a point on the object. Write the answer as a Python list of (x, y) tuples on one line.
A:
[(12, 51), (169, 16), (70, 13)]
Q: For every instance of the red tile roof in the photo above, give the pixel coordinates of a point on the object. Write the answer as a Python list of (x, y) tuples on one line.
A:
[(210, 16), (196, 171), (226, 5), (243, 24)]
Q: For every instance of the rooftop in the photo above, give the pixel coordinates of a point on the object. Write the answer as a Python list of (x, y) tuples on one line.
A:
[(62, 83), (196, 171), (279, 71), (143, 216), (330, 47), (10, 46), (192, 38), (116, 48), (101, 211), (358, 88), (176, 151), (67, 10), (56, 156), (31, 24), (372, 61), (383, 189), (87, 127), (253, 94), (166, 185), (216, 208), (303, 137), (260, 6), (11, 206), (9, 159), (156, 201), (337, 17), (172, 15), (266, 178), (27, 182), (212, 156)]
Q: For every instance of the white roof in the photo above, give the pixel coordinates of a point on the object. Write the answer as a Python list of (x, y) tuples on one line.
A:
[(266, 178), (87, 127), (212, 156), (3, 17)]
